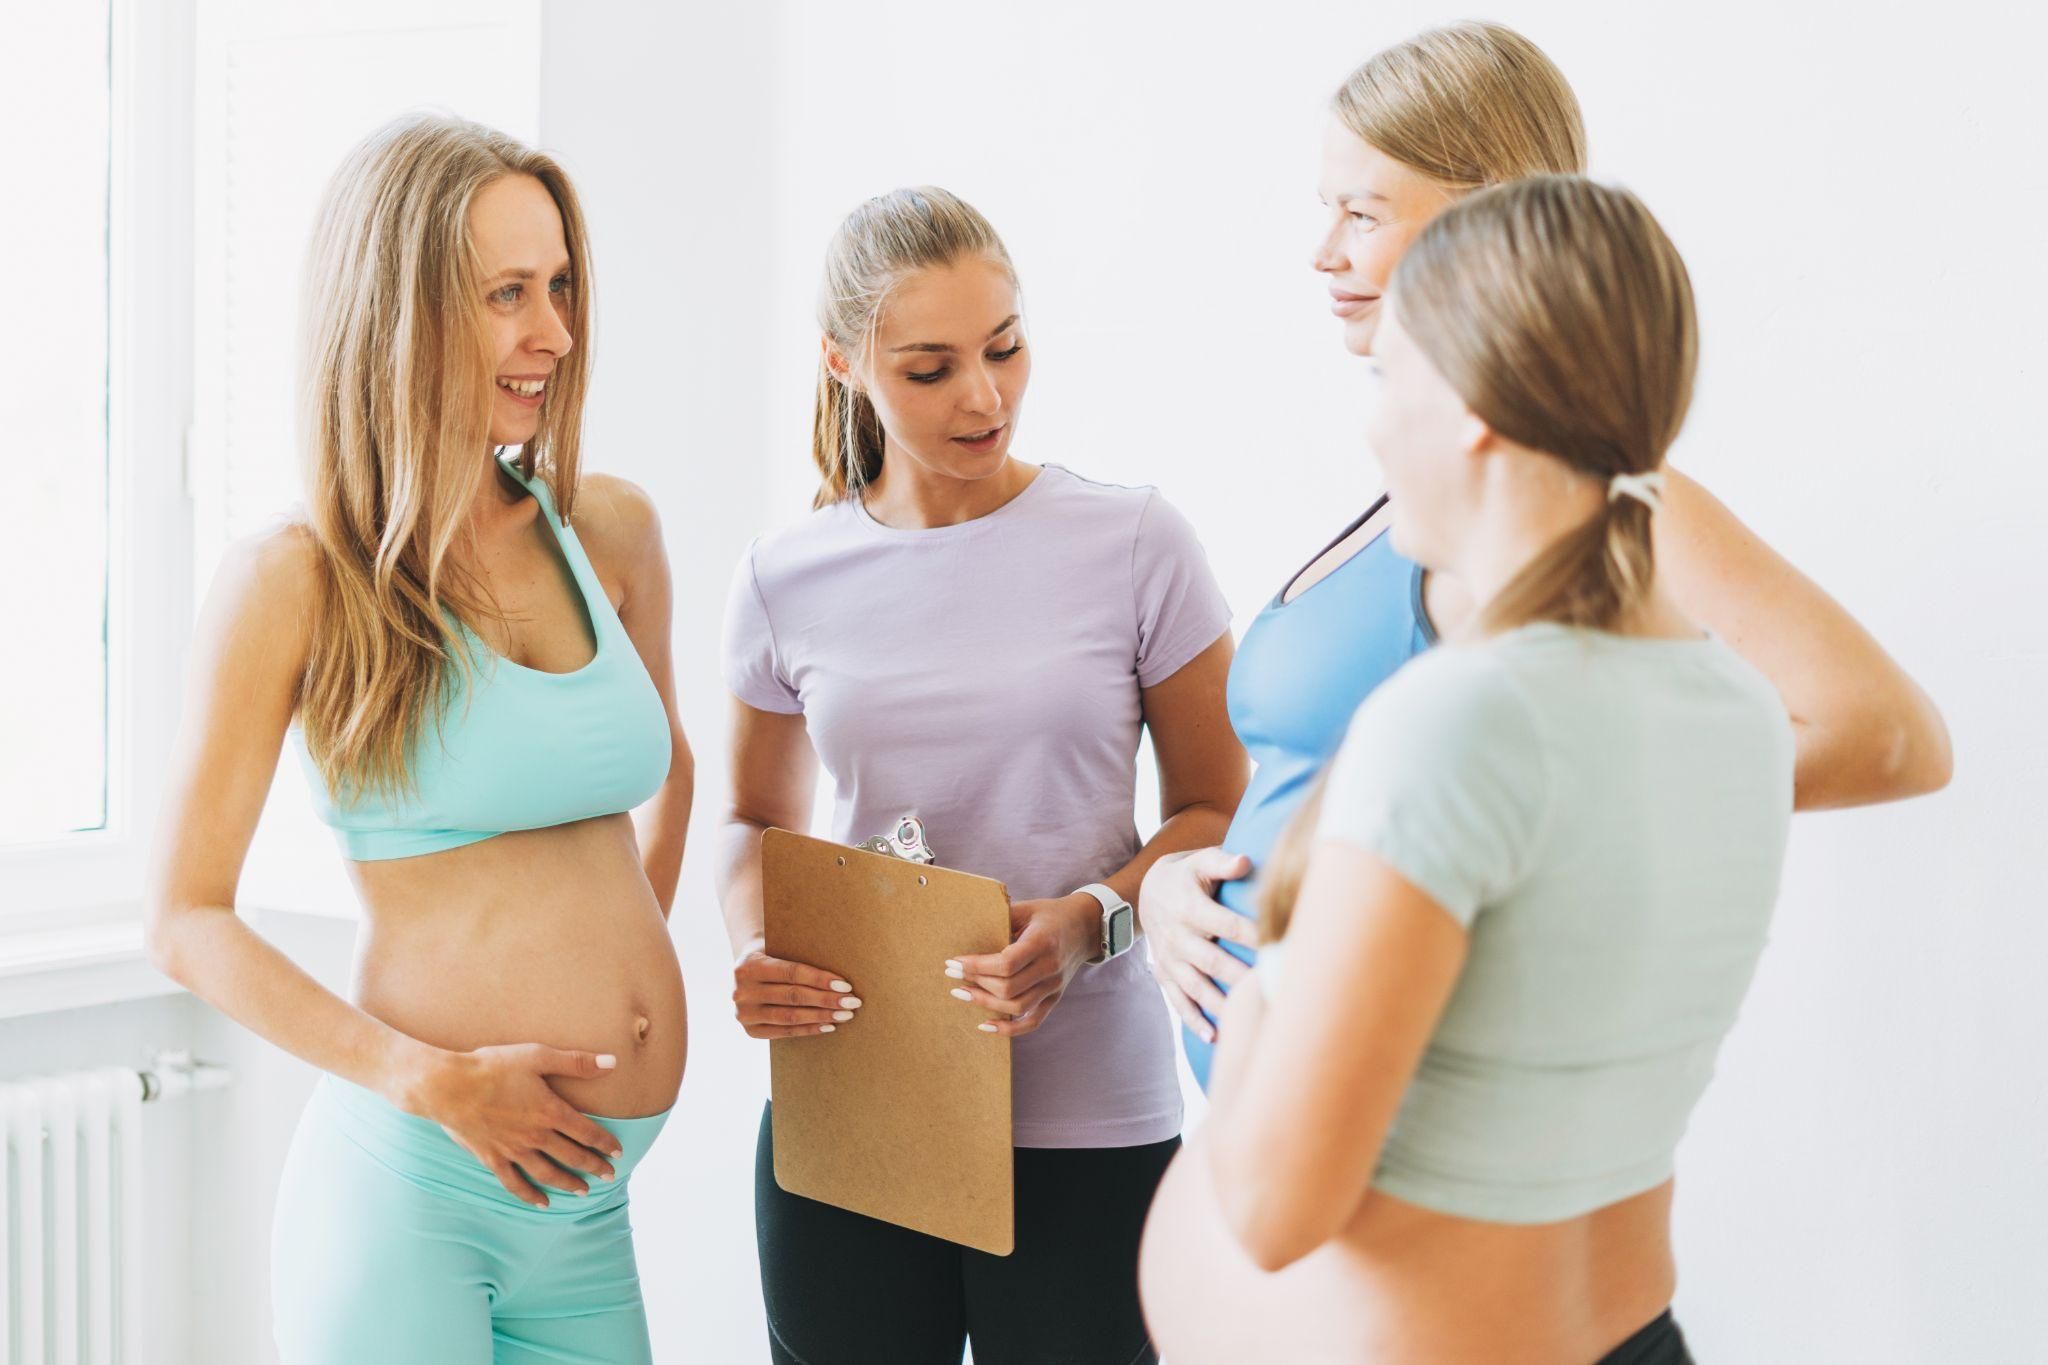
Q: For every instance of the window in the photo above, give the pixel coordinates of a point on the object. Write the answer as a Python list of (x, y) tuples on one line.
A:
[(53, 405)]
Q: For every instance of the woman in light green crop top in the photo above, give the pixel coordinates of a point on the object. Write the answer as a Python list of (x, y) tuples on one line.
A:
[(1523, 910)]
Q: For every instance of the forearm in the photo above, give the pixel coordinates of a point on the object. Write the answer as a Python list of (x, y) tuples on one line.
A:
[(214, 954), (739, 883), (1196, 825), (664, 826), (1279, 1206)]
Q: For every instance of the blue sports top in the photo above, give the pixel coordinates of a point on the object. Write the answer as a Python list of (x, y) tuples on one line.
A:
[(521, 748), (1300, 673)]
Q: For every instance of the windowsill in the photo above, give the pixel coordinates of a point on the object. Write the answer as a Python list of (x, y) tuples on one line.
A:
[(97, 958), (99, 961)]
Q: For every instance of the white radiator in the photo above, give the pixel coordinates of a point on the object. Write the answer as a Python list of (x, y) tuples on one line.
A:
[(71, 1212)]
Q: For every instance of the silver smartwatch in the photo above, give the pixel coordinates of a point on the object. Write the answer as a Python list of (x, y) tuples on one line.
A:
[(1119, 923)]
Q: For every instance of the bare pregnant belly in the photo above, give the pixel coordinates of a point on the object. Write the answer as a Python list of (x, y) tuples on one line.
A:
[(1401, 1284), (539, 936)]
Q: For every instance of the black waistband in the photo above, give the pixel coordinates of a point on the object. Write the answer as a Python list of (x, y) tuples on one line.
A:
[(1660, 1343)]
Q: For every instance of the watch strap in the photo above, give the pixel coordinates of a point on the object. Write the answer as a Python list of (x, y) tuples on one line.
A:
[(1111, 903)]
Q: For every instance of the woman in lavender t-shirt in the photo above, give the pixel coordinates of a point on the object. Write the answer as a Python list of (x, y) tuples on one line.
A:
[(977, 641)]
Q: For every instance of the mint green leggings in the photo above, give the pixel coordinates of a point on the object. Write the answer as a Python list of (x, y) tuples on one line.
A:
[(394, 1245)]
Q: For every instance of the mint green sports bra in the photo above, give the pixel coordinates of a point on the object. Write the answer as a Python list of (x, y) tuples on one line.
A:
[(520, 748)]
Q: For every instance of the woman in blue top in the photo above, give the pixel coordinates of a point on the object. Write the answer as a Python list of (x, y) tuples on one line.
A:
[(1413, 130)]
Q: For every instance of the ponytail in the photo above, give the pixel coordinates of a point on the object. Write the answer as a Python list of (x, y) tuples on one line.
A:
[(846, 439), (1592, 576), (1563, 316)]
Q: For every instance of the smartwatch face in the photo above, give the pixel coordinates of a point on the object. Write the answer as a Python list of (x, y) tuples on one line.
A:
[(1120, 929)]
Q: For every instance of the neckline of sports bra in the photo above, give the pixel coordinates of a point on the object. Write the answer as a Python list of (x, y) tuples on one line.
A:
[(576, 574)]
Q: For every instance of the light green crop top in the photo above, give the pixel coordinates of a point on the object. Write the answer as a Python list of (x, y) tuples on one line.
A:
[(1607, 817), (522, 748)]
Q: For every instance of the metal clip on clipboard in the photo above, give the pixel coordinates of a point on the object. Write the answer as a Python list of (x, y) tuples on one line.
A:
[(906, 843)]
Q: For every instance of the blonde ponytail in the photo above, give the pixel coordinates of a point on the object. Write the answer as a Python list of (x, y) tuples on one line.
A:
[(1562, 314)]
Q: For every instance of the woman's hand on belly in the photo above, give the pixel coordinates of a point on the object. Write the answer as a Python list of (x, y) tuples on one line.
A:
[(1051, 941), (496, 1103), (775, 998), (1183, 921)]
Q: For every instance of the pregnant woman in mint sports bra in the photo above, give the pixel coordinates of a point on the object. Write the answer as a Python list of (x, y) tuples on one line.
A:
[(470, 650), (1413, 130)]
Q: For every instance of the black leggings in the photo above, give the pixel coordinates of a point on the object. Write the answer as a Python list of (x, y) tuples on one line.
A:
[(845, 1289), (1661, 1343)]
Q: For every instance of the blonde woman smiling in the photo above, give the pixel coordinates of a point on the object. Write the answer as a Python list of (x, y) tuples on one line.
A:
[(471, 654)]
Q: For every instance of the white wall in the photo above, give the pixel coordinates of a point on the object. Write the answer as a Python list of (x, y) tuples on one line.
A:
[(1858, 192)]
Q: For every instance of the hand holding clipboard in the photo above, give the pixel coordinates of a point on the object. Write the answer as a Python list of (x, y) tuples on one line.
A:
[(905, 1117)]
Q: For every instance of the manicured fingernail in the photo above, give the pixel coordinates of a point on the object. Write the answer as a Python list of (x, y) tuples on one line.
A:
[(849, 1002), (605, 1061), (827, 1028), (842, 986), (956, 971), (959, 994), (988, 1028), (842, 1015)]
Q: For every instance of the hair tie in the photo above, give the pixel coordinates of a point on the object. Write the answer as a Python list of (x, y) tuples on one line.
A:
[(1647, 489)]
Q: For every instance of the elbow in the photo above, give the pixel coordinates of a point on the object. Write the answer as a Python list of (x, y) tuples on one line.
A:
[(1894, 754), (1921, 760), (1270, 1240), (1273, 1229), (160, 939), (1930, 757), (1206, 820), (682, 770)]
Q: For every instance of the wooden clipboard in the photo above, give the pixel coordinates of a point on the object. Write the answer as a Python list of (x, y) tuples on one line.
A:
[(904, 1113)]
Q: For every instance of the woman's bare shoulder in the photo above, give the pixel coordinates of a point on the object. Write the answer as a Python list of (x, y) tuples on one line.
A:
[(266, 589), (617, 522)]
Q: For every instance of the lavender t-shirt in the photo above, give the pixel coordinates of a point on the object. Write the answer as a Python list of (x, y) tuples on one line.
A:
[(985, 677)]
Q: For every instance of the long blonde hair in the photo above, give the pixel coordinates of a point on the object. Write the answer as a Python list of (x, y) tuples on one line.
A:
[(396, 394), (1563, 316), (1468, 105), (880, 242)]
